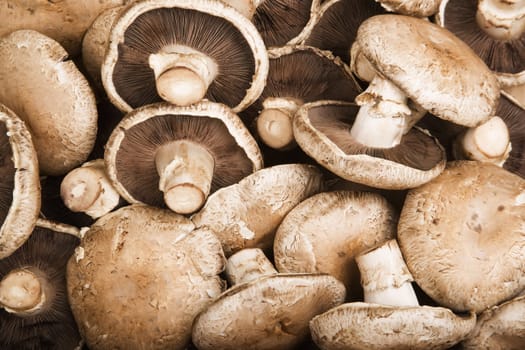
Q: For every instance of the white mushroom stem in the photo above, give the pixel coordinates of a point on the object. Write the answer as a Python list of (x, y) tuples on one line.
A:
[(502, 19), (247, 265), (274, 123), (182, 74), (385, 277), (23, 292), (488, 142), (186, 171), (246, 7), (88, 189)]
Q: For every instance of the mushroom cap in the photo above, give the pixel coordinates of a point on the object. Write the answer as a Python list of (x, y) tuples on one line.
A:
[(416, 8), (130, 150), (141, 275), (431, 65), (371, 326), (207, 26), (51, 96), (322, 130), (271, 312), (20, 184), (246, 214), (463, 238), (325, 232)]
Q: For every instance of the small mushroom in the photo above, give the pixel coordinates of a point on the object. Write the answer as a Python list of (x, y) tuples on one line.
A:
[(390, 316), (50, 94), (34, 309), (416, 8), (140, 276), (163, 154), (181, 52), (247, 214), (463, 238), (264, 309)]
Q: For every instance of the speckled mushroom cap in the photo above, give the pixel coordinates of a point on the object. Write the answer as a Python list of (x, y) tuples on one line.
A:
[(322, 130), (140, 276), (271, 312), (417, 8), (462, 235), (371, 326), (326, 231), (51, 96), (246, 214), (207, 26), (130, 150), (432, 66), (20, 185)]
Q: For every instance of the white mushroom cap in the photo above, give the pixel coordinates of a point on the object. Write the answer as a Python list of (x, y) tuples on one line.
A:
[(51, 96), (417, 8)]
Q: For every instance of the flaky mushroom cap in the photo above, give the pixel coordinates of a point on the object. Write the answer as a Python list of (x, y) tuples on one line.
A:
[(372, 326), (51, 96), (322, 130), (246, 214), (207, 26), (140, 276), (20, 184), (325, 232), (432, 66), (416, 8), (130, 150), (463, 238), (271, 312)]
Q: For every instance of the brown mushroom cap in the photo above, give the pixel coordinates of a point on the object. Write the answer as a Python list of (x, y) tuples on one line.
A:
[(322, 130), (462, 235), (140, 276), (209, 27), (20, 185), (51, 96), (246, 214), (372, 326)]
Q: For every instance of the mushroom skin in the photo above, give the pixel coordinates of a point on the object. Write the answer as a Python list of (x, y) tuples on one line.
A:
[(416, 8)]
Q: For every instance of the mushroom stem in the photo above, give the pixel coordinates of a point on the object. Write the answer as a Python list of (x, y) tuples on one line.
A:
[(182, 74), (186, 171), (385, 277), (274, 123), (488, 142), (246, 7), (88, 189), (502, 19), (24, 292), (247, 265), (382, 119)]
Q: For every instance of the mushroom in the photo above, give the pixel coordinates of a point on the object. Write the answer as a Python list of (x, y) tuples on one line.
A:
[(163, 154), (51, 96), (19, 183), (495, 30), (291, 82), (416, 8), (264, 309), (390, 316), (246, 214), (463, 238), (183, 51), (325, 233), (140, 276), (34, 309)]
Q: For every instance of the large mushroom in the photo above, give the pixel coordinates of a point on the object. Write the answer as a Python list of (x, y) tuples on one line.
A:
[(50, 94), (163, 154), (183, 51)]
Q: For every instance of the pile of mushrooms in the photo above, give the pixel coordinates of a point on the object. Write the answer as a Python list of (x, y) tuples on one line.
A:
[(262, 174)]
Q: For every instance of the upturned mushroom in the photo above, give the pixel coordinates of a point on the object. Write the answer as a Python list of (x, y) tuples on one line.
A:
[(463, 238), (390, 316), (140, 276), (183, 51), (50, 94), (264, 309), (163, 154), (20, 197), (247, 214), (34, 309)]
